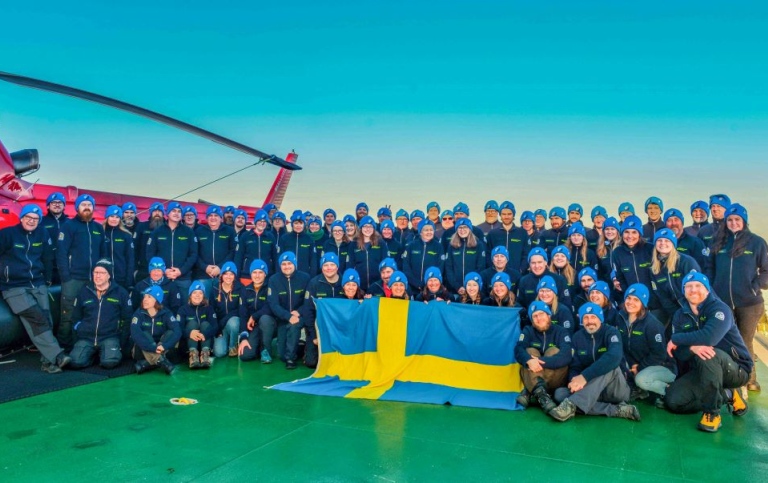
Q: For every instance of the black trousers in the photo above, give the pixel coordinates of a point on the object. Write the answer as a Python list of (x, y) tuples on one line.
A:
[(701, 389)]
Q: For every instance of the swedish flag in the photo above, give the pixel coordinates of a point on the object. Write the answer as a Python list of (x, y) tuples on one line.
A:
[(396, 350)]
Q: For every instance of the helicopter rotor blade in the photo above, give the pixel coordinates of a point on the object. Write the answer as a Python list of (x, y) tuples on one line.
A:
[(140, 111)]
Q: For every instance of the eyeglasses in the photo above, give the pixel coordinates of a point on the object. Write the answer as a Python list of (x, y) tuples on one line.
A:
[(31, 219), (447, 218)]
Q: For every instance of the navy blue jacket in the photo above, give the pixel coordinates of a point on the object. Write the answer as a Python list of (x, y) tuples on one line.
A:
[(714, 326), (97, 318), (215, 248), (404, 237), (596, 354), (634, 266), (118, 248), (342, 251), (515, 240), (318, 288), (226, 304), (643, 342), (278, 234), (366, 261), (578, 262), (286, 294), (694, 229), (146, 331), (556, 336), (141, 233), (650, 229), (394, 250), (667, 286), (549, 239), (78, 249), (564, 318), (254, 305), (593, 236), (418, 257), (53, 225), (445, 237), (26, 257), (707, 232), (461, 261), (177, 248), (304, 248), (192, 317), (526, 289), (606, 265), (738, 281), (251, 246), (694, 247), (171, 295)]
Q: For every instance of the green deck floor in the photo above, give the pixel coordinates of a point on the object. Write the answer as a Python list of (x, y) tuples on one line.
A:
[(124, 429)]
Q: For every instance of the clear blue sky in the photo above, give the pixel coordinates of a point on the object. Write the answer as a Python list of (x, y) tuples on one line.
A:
[(394, 102)]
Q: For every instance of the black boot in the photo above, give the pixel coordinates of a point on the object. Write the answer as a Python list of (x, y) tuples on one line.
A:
[(524, 399), (167, 365), (143, 366), (543, 397)]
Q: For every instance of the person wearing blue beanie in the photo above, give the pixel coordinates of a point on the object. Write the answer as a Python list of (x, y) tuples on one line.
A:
[(257, 324), (433, 287), (189, 216), (387, 230), (417, 216), (286, 297), (398, 284), (686, 243), (739, 273), (79, 247), (155, 331), (558, 231), (199, 325), (52, 222), (546, 291), (403, 234), (259, 243), (598, 215), (700, 216), (473, 289), (361, 210), (271, 209), (421, 253), (575, 212), (367, 250), (177, 244), (350, 285), (584, 280), (338, 244), (327, 284), (433, 213), (491, 222), (329, 216), (499, 264), (579, 253), (301, 245), (718, 204), (626, 209), (118, 248), (501, 294), (540, 219), (544, 353), (513, 238), (465, 253), (528, 224), (226, 300), (607, 243), (654, 207), (632, 259)]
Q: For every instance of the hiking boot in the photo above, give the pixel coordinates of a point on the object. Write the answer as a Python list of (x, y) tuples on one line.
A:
[(735, 401), (710, 422), (265, 357), (232, 352), (565, 411), (638, 394), (142, 367), (51, 368), (753, 386), (627, 411), (62, 360), (167, 365), (194, 359), (290, 365), (524, 398), (205, 358), (660, 403), (544, 399)]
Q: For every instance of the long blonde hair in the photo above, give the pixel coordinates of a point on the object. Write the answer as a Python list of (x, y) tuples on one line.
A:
[(568, 272), (671, 263), (582, 249), (510, 298), (120, 226), (553, 308), (602, 248)]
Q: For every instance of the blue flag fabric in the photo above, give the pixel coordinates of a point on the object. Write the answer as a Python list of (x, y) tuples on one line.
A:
[(396, 350)]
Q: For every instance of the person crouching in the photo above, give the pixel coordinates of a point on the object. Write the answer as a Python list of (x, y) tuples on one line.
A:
[(155, 331), (200, 325)]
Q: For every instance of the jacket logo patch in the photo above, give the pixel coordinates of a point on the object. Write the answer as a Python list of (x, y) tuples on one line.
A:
[(658, 338), (720, 316), (614, 338)]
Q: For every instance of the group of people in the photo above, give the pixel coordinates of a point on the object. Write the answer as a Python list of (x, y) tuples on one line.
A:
[(620, 311)]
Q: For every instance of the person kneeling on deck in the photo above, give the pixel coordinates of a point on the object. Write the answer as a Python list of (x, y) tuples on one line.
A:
[(706, 339), (198, 321), (286, 297), (26, 252), (155, 330), (544, 352), (101, 309), (597, 384), (257, 324)]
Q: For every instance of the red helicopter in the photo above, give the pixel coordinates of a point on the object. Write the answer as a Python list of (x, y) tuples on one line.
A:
[(16, 192)]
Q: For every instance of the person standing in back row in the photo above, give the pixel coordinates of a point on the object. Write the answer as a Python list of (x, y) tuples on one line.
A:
[(79, 248)]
